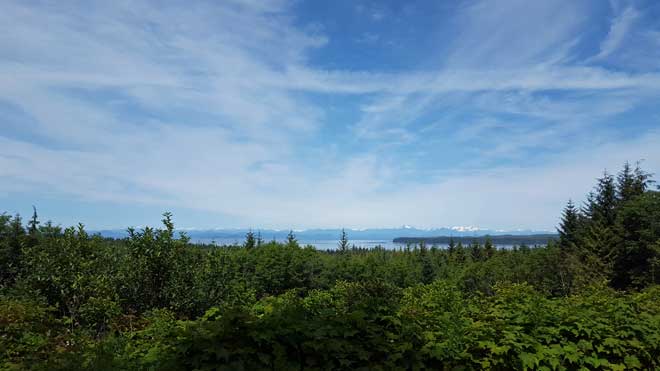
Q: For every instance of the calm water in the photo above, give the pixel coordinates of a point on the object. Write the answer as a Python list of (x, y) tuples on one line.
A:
[(325, 244), (319, 244)]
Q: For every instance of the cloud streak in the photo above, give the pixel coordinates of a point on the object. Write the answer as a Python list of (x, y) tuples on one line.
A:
[(224, 107), (620, 27)]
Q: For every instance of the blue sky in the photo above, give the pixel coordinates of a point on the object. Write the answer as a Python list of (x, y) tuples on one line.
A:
[(298, 114)]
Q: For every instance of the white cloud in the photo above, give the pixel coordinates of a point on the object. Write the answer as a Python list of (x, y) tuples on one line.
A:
[(206, 106), (619, 28)]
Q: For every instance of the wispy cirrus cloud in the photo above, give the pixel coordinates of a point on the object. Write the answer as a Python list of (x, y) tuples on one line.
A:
[(228, 108), (621, 24)]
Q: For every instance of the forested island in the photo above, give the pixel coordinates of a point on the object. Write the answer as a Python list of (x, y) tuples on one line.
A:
[(505, 239), (153, 301)]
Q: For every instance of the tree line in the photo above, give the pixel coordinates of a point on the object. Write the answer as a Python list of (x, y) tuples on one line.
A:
[(154, 301)]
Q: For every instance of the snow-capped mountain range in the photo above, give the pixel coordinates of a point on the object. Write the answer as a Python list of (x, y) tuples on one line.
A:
[(335, 233)]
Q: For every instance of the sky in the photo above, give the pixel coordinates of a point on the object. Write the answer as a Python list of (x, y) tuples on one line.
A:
[(302, 114)]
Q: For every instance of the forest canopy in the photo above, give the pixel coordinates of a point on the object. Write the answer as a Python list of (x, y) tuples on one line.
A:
[(154, 301)]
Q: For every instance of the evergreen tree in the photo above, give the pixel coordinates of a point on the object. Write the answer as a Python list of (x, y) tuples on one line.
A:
[(489, 248), (603, 206), (260, 240), (460, 253), (569, 228), (5, 252), (343, 241), (12, 254), (636, 253), (452, 246), (49, 230), (250, 240), (428, 271), (626, 183), (632, 182), (599, 240), (475, 251), (586, 211), (291, 239), (33, 224), (642, 180)]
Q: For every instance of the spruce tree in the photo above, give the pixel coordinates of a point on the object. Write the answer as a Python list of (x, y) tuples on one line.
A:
[(343, 241), (489, 248), (636, 253), (250, 240), (33, 224), (460, 252), (33, 229), (569, 228), (626, 183), (291, 239), (603, 206), (475, 251), (452, 245), (13, 250), (428, 271), (642, 180)]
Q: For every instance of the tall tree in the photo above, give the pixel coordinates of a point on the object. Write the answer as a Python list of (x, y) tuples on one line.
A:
[(452, 245), (428, 271), (603, 206), (250, 240), (459, 254), (475, 251), (569, 227), (33, 224), (343, 241), (12, 249), (291, 239), (626, 183), (642, 180), (636, 254), (489, 248)]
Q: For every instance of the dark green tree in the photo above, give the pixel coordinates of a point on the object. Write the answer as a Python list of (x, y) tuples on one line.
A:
[(451, 248), (569, 228), (475, 251), (634, 259), (489, 248), (642, 180), (602, 207), (14, 243), (33, 224), (250, 240), (632, 182), (291, 239), (343, 241), (459, 253), (428, 270)]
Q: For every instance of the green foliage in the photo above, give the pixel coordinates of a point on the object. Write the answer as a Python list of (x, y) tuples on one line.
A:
[(11, 248), (26, 332), (636, 255), (152, 267), (373, 325), (153, 301), (250, 240)]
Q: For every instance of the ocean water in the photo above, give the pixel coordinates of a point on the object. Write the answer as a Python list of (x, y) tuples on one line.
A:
[(326, 244), (319, 244)]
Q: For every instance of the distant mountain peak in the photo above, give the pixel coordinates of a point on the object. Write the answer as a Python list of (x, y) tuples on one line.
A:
[(468, 228)]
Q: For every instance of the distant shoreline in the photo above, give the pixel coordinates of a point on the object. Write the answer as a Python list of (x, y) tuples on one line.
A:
[(534, 239)]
